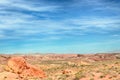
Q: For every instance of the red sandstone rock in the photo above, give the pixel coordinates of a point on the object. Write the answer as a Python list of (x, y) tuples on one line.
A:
[(19, 66), (33, 71)]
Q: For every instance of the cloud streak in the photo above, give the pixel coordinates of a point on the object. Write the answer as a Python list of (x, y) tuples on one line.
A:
[(66, 20)]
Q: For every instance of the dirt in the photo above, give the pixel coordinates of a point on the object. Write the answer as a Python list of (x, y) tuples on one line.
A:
[(60, 67)]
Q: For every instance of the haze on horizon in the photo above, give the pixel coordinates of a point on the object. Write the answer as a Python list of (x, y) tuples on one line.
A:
[(59, 26)]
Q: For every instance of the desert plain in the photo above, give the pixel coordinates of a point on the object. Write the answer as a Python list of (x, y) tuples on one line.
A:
[(101, 66)]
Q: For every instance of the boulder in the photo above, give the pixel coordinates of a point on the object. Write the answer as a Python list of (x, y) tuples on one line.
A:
[(33, 71), (19, 66)]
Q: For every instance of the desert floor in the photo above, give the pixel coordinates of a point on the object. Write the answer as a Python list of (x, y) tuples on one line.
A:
[(68, 66)]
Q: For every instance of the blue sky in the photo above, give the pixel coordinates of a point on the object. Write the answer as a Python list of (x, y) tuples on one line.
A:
[(59, 26)]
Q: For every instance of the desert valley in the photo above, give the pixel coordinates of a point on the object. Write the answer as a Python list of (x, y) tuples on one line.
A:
[(60, 67)]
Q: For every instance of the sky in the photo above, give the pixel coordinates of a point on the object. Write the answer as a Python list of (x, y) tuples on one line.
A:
[(59, 26)]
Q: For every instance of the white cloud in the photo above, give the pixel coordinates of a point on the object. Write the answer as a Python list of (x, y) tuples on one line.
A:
[(54, 28), (28, 5), (4, 1), (101, 23), (2, 36), (26, 24), (15, 19), (116, 35)]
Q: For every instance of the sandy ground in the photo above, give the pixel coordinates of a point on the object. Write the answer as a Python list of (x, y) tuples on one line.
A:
[(68, 66)]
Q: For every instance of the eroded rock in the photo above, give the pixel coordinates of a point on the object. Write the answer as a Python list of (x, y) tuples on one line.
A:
[(19, 66)]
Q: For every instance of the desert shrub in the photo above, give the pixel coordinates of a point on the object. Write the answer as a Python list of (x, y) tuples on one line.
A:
[(79, 75), (93, 75), (49, 79), (118, 57), (92, 79), (62, 77), (102, 76)]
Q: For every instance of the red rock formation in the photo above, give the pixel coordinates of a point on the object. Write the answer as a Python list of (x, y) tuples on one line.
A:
[(33, 71), (18, 65)]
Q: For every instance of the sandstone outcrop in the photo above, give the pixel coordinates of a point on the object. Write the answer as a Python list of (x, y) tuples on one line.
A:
[(18, 65)]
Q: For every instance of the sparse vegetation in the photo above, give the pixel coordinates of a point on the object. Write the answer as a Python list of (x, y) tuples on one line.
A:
[(73, 68)]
